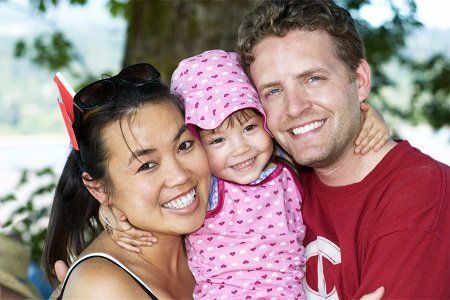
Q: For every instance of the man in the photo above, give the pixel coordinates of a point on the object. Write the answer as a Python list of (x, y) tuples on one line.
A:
[(382, 219)]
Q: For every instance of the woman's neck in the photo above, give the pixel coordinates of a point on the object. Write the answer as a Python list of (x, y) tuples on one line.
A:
[(168, 254)]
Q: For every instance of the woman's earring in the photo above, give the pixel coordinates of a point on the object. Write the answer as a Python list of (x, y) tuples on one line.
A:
[(108, 227)]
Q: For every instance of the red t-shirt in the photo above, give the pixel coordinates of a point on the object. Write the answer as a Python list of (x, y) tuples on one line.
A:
[(392, 229)]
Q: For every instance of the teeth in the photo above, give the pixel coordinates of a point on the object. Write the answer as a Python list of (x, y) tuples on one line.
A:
[(307, 127), (181, 202), (244, 164)]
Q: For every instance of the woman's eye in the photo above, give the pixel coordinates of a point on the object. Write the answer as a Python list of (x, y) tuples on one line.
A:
[(249, 128), (273, 91), (147, 166), (186, 145), (217, 141)]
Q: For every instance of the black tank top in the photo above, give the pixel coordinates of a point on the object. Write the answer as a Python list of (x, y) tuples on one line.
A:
[(116, 262)]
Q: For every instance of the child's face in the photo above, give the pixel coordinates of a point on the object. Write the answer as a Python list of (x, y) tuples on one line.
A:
[(238, 153)]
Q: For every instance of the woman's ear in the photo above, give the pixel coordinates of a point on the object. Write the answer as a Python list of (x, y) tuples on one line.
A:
[(95, 187)]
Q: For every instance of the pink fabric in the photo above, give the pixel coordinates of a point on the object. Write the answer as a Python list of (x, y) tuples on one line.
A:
[(213, 85), (250, 246)]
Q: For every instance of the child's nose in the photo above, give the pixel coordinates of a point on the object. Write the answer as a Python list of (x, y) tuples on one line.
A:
[(240, 147)]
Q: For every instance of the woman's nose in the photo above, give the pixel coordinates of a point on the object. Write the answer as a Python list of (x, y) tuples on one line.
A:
[(177, 174)]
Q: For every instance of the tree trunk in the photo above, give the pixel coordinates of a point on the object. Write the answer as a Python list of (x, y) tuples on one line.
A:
[(163, 32)]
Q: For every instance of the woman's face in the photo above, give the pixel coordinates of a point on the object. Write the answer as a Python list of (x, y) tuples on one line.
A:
[(159, 172)]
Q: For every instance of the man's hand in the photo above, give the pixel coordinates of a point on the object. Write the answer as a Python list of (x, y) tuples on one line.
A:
[(61, 272), (375, 295)]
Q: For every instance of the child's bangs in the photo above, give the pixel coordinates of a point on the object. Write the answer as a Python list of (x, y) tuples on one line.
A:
[(240, 116)]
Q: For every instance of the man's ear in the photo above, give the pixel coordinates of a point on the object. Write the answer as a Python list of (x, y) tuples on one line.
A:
[(95, 187), (363, 80)]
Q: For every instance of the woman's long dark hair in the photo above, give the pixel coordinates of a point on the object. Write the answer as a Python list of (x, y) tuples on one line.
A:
[(74, 213)]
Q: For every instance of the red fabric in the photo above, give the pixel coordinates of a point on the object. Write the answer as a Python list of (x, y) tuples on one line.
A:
[(392, 229)]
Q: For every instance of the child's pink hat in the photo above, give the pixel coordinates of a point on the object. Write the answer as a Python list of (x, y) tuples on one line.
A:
[(213, 85)]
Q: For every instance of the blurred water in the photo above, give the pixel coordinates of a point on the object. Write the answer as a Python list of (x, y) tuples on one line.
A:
[(28, 152)]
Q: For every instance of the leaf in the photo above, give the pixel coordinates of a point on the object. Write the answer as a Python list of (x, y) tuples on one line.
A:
[(23, 178), (45, 171), (20, 48), (8, 198)]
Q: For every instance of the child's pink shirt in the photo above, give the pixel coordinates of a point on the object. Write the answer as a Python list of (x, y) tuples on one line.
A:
[(250, 245)]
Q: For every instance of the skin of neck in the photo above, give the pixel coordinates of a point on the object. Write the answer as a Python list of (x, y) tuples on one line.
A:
[(168, 254), (351, 168)]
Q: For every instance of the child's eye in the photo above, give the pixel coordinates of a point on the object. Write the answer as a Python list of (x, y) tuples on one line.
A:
[(273, 91), (249, 128), (186, 145), (217, 141), (147, 166)]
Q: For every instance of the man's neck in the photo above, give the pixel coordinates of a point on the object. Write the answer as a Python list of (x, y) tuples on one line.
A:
[(351, 168)]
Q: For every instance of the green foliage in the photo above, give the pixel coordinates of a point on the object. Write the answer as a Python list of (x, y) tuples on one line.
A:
[(430, 100), (29, 217), (42, 5), (117, 8), (52, 52)]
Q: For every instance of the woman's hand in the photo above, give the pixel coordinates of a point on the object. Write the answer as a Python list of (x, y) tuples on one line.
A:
[(374, 132), (375, 295)]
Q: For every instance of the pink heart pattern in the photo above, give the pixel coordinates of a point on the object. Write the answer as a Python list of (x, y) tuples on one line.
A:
[(219, 79), (251, 249)]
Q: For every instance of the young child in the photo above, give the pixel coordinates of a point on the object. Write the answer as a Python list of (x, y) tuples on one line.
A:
[(250, 245), (251, 242)]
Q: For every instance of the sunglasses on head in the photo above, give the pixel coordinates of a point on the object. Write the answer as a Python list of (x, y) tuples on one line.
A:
[(102, 91)]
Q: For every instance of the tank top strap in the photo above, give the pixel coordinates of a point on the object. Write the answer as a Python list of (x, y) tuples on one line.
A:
[(113, 260)]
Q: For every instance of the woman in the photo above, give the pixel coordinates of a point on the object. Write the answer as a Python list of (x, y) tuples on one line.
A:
[(137, 158)]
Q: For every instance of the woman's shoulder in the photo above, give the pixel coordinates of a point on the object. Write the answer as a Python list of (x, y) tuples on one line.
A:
[(98, 276)]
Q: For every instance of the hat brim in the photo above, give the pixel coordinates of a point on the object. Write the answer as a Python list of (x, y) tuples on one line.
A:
[(17, 286)]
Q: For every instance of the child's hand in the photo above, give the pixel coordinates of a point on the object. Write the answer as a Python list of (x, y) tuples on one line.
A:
[(122, 232), (374, 133), (132, 238)]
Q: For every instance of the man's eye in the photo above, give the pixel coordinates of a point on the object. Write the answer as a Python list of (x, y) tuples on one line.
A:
[(217, 141), (314, 79), (186, 145), (272, 92), (249, 128), (147, 166)]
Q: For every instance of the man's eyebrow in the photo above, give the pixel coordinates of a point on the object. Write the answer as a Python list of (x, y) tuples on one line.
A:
[(304, 74), (310, 72)]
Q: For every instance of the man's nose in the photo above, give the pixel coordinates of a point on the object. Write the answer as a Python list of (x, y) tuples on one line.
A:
[(296, 101)]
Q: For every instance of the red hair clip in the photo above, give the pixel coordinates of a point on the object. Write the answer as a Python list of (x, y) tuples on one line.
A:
[(65, 101)]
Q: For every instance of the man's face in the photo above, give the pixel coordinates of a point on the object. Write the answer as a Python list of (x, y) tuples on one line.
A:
[(310, 98)]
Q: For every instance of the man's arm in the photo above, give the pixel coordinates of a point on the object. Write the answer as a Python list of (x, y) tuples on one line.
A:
[(408, 248), (410, 264)]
